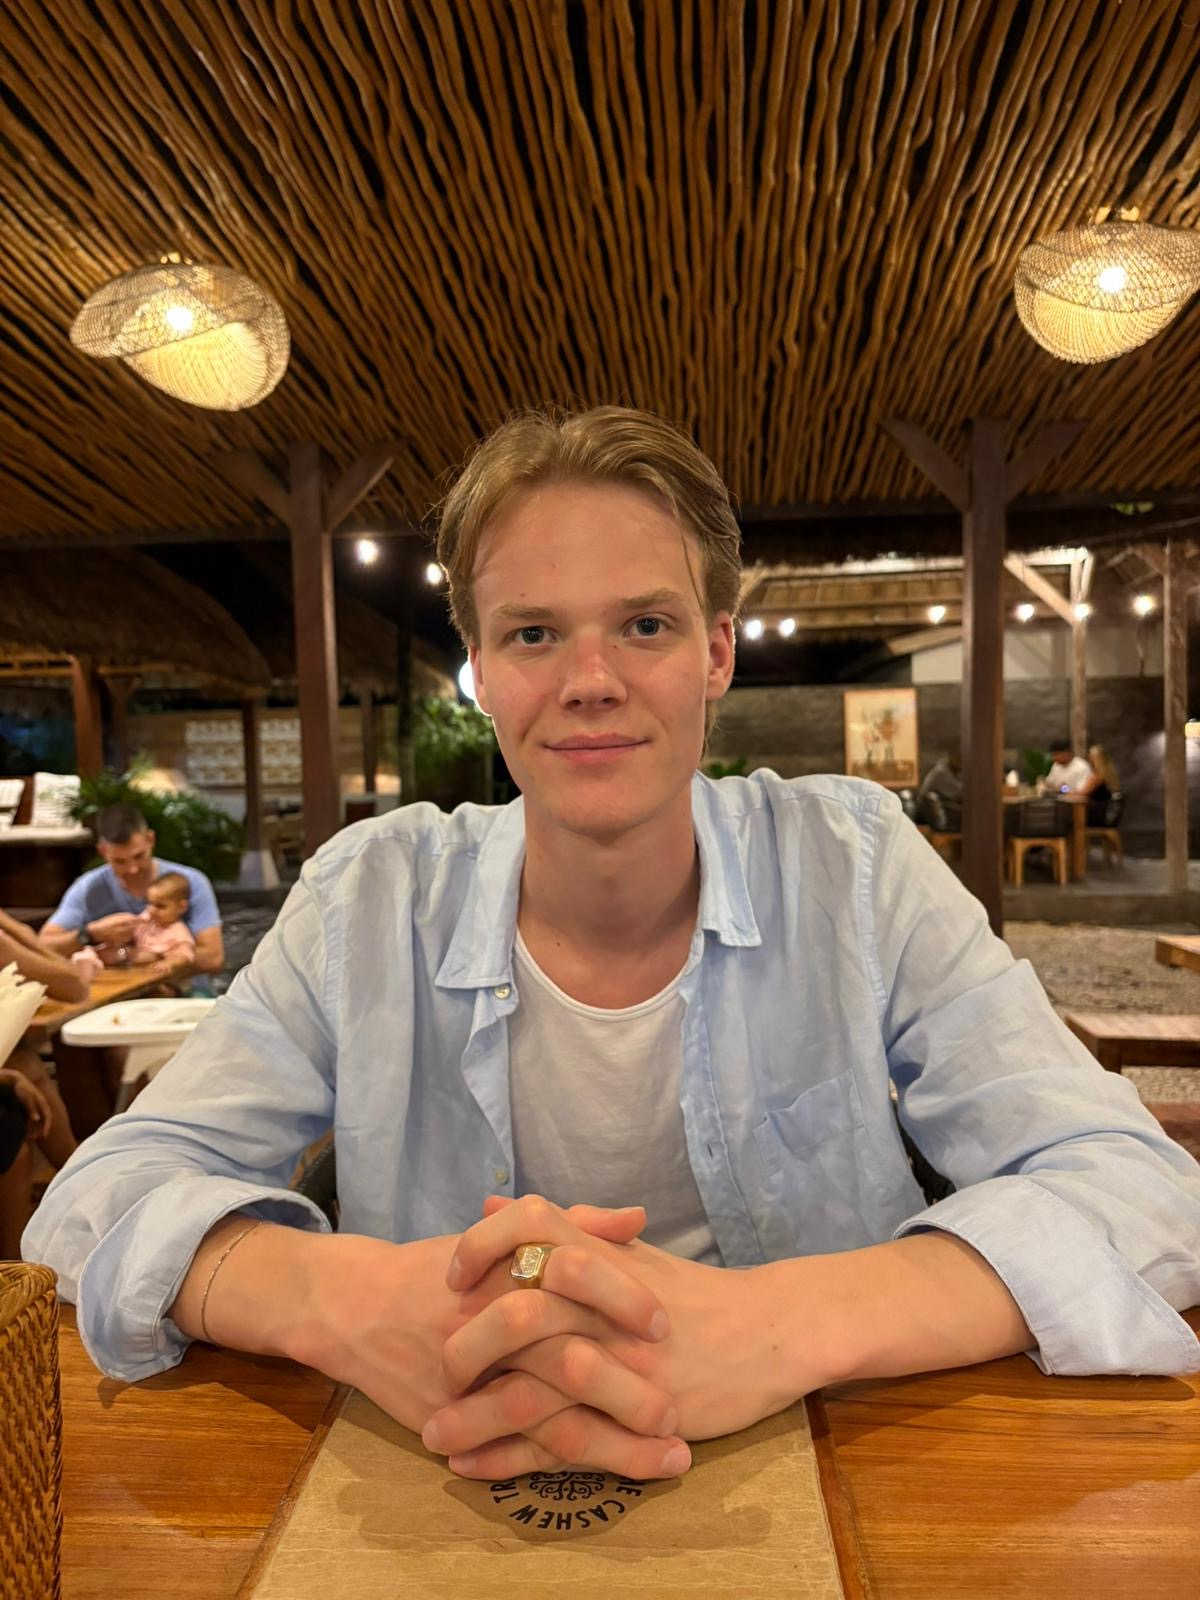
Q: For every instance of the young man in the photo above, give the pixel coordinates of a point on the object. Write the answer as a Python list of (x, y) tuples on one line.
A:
[(632, 987), (1068, 771), (102, 906)]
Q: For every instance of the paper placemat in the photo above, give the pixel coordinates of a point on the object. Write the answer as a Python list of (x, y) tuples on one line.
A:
[(377, 1516)]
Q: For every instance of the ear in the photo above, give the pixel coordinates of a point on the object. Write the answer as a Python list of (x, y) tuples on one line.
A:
[(150, 836), (720, 656)]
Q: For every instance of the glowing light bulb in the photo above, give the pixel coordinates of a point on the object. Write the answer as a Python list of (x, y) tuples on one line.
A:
[(466, 681), (367, 551), (936, 613), (1024, 612), (179, 318), (1082, 611), (433, 573), (1144, 605), (787, 627), (1112, 279), (754, 628)]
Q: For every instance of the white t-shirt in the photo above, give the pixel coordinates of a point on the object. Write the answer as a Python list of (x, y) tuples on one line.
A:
[(595, 1108), (1069, 774)]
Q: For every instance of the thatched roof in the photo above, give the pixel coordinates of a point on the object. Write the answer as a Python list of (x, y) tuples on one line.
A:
[(254, 584), (776, 224), (124, 611)]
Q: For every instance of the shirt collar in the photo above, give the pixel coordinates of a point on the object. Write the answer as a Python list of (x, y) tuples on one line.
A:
[(480, 951)]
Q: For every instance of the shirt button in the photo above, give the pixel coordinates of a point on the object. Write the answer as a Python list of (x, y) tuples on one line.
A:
[(501, 1174), (502, 991)]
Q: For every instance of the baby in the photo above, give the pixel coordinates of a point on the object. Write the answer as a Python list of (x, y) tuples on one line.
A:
[(162, 935)]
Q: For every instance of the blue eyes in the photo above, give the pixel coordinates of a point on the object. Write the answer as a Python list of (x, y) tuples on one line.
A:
[(647, 628)]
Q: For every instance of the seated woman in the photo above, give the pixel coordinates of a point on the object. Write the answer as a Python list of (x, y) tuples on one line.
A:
[(1100, 786), (21, 945)]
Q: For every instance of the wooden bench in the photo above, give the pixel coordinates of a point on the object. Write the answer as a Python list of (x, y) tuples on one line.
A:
[(1120, 1039), (1178, 950)]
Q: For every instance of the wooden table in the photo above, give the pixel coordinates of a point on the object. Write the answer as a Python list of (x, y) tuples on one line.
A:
[(114, 983), (982, 1482), (1178, 950), (1120, 1039)]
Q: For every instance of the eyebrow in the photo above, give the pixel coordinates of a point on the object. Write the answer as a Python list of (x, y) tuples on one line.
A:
[(637, 602)]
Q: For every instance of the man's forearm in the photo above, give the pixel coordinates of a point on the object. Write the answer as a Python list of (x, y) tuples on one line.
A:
[(255, 1295), (918, 1304)]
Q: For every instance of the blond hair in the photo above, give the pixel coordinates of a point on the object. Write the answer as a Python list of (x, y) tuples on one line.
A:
[(606, 445), (1104, 767)]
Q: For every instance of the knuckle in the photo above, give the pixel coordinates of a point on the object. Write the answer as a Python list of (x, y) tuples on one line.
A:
[(569, 1435), (580, 1366), (522, 1403), (537, 1212), (522, 1313)]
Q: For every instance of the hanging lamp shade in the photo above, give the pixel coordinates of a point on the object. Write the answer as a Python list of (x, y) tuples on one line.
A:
[(205, 334), (1089, 294)]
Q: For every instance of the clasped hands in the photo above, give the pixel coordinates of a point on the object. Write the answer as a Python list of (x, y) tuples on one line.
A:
[(623, 1355)]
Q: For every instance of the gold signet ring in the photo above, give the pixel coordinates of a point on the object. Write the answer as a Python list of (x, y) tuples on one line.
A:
[(529, 1265)]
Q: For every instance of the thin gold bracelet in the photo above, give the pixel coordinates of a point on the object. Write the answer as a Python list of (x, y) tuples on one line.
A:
[(221, 1260)]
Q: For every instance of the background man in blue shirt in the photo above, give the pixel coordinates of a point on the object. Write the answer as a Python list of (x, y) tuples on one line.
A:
[(102, 906), (491, 1007)]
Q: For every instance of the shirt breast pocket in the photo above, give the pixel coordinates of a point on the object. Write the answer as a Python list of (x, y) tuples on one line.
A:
[(820, 1114)]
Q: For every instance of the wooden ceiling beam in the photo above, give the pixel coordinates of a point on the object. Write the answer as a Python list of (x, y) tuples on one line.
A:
[(1024, 469), (247, 470), (1036, 584), (358, 480)]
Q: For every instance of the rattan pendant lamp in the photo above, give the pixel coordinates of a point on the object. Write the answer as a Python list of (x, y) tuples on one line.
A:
[(205, 334), (1089, 294)]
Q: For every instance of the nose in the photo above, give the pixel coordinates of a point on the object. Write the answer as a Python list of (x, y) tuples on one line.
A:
[(589, 673)]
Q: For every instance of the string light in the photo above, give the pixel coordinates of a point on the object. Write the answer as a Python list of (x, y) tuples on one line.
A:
[(936, 613), (787, 627), (433, 573), (1144, 605), (367, 551), (1082, 611), (1024, 612), (754, 628)]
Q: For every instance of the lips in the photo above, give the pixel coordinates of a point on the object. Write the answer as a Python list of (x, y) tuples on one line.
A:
[(604, 742)]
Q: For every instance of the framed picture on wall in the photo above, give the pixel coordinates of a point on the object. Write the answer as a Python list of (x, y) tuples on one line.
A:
[(881, 735)]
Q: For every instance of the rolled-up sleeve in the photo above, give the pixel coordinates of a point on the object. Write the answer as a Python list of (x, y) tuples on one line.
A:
[(220, 1129), (1065, 1183)]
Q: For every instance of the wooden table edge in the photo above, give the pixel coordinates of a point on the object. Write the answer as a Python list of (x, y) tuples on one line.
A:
[(273, 1532), (844, 1529)]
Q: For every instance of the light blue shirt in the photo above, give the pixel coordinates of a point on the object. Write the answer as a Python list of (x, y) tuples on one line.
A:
[(834, 953), (100, 893)]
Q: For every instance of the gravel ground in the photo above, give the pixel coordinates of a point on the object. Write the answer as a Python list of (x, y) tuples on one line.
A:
[(1083, 968)]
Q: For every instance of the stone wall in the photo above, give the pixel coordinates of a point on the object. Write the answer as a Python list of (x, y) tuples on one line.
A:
[(797, 729)]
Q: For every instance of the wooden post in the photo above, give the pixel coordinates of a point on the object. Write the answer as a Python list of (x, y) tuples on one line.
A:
[(1081, 583), (370, 759), (258, 864), (119, 691), (252, 762), (89, 726), (312, 510), (982, 495), (1175, 798), (316, 647), (406, 765), (984, 535)]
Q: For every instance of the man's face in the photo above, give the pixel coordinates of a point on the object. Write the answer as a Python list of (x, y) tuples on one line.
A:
[(133, 861), (1062, 755), (590, 630)]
